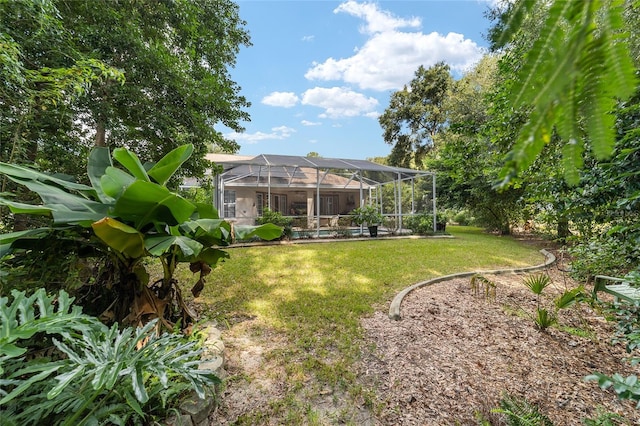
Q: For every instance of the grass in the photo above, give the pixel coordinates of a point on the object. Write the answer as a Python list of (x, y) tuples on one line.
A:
[(315, 294)]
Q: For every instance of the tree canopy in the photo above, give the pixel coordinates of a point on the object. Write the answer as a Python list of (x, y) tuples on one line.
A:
[(148, 75), (416, 114)]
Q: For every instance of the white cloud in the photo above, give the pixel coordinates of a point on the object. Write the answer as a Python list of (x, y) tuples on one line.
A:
[(310, 123), (389, 58), (308, 38), (376, 20), (277, 133), (339, 102), (281, 99)]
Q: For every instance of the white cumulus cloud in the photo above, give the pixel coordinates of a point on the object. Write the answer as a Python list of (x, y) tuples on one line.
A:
[(389, 58), (310, 123), (276, 133), (281, 99), (376, 20), (339, 102)]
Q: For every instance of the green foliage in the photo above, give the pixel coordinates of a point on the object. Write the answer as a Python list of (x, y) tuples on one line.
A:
[(173, 55), (421, 224), (607, 419), (544, 317), (602, 255), (278, 219), (537, 283), (97, 374), (126, 216), (625, 387), (368, 214), (519, 412), (416, 115), (570, 81)]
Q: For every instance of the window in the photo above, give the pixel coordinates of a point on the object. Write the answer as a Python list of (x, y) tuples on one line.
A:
[(328, 205), (278, 203), (260, 203), (229, 203)]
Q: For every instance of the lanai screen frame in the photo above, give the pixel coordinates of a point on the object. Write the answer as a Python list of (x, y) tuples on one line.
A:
[(293, 163)]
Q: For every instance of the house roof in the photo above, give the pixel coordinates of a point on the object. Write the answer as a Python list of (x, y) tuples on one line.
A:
[(298, 167)]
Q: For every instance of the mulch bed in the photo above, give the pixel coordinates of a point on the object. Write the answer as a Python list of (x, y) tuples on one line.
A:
[(455, 354)]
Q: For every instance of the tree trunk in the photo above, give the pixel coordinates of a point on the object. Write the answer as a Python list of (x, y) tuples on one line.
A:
[(100, 134), (563, 228)]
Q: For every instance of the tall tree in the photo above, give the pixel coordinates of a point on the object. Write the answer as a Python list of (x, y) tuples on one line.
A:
[(174, 56), (469, 158), (416, 115)]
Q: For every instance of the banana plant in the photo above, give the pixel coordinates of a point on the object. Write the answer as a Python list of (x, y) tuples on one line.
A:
[(127, 214)]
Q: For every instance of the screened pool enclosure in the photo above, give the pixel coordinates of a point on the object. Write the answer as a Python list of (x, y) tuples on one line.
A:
[(319, 193)]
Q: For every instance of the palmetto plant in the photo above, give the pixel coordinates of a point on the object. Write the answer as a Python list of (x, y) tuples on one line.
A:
[(128, 214), (543, 317)]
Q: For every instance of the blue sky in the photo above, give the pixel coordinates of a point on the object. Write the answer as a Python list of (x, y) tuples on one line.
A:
[(319, 73)]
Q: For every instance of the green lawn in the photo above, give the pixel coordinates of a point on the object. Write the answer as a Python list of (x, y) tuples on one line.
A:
[(314, 294)]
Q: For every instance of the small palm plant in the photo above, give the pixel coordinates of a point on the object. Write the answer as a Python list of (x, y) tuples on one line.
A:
[(537, 283), (545, 318)]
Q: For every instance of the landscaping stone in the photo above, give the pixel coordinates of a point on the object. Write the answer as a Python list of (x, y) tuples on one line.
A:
[(179, 419), (198, 408), (195, 410)]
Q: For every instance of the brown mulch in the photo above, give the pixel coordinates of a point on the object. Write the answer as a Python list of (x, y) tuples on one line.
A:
[(455, 353)]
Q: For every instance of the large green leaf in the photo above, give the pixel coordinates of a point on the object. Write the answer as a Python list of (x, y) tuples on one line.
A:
[(268, 231), (120, 237), (208, 231), (99, 160), (7, 240), (212, 255), (20, 175), (205, 211), (159, 245), (115, 181), (66, 208), (131, 162), (25, 208), (162, 171), (147, 202)]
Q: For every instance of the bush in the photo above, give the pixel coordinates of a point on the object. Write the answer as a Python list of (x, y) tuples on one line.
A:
[(463, 218), (421, 224), (603, 255), (92, 374), (276, 218)]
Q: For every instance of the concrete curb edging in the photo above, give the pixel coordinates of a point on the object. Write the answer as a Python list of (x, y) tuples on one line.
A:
[(394, 309)]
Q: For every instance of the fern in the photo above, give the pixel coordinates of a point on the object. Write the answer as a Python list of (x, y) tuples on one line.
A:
[(574, 73), (519, 412)]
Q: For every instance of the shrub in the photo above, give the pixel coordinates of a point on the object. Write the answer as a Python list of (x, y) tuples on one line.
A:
[(276, 218), (421, 224), (603, 255), (95, 374), (463, 217), (368, 214), (125, 215)]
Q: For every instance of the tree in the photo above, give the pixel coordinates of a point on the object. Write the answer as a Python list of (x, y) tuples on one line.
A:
[(416, 115), (570, 81), (42, 74), (469, 157), (174, 56)]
